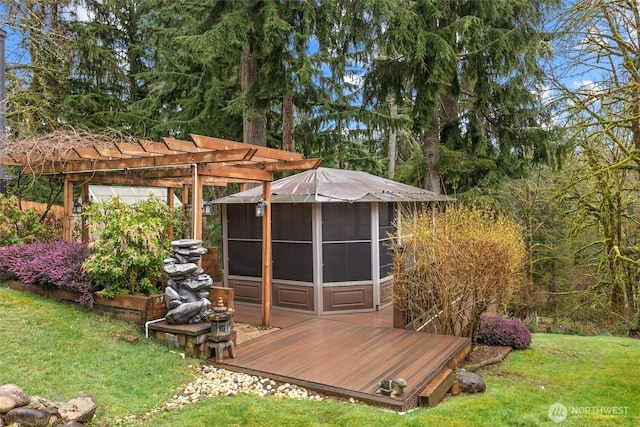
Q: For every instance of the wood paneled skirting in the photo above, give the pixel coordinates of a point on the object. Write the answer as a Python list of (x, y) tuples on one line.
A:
[(357, 297), (293, 296), (301, 297), (246, 290)]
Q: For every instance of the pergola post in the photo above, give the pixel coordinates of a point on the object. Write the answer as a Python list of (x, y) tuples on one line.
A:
[(171, 213), (67, 220), (266, 255), (185, 201), (85, 225), (196, 204)]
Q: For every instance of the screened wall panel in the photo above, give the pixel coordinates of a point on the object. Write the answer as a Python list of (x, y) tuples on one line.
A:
[(245, 258), (243, 223), (386, 232), (291, 221), (346, 221), (385, 220), (293, 261), (386, 259), (346, 262)]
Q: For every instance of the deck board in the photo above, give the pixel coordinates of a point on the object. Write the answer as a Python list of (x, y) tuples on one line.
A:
[(349, 359)]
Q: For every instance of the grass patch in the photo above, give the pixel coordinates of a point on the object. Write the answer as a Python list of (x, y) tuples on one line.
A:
[(58, 351)]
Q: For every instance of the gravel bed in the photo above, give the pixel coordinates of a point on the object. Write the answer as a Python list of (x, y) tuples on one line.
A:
[(212, 381)]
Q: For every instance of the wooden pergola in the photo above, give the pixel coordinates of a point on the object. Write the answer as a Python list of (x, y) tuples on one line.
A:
[(173, 163)]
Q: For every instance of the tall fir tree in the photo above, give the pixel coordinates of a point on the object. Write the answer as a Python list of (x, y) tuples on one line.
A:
[(470, 70)]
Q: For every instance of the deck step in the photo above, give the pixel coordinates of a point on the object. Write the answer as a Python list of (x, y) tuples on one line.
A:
[(436, 389)]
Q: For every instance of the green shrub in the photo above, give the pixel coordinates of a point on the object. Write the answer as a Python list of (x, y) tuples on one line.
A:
[(20, 226), (129, 254)]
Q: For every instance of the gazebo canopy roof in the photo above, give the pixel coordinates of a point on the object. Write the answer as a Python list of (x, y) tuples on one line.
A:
[(335, 185)]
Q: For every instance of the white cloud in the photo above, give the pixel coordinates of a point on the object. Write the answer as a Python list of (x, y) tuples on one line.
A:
[(353, 79), (588, 86)]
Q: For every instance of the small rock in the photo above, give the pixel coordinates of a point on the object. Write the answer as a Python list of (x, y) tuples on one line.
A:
[(46, 405), (6, 404), (27, 417), (73, 424), (80, 409), (131, 339), (16, 393), (470, 382)]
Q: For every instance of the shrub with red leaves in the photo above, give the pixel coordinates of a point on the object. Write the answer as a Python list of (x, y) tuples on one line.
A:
[(56, 264), (498, 330)]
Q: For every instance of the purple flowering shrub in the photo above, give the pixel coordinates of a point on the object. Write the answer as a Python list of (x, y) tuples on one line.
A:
[(56, 264), (498, 330)]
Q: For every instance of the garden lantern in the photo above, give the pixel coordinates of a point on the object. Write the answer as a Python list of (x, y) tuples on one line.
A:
[(220, 318), (207, 208), (261, 208), (220, 326)]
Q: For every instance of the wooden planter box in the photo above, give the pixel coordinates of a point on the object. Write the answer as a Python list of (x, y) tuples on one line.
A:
[(129, 308)]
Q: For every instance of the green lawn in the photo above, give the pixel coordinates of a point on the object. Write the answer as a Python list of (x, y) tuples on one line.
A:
[(58, 351)]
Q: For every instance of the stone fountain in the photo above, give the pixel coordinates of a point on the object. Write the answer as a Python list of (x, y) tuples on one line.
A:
[(187, 289)]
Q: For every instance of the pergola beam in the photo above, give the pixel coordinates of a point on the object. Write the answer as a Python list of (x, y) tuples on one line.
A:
[(180, 145), (291, 165), (124, 180), (133, 149), (147, 162), (211, 143), (9, 161), (88, 153), (246, 174), (155, 147), (111, 152)]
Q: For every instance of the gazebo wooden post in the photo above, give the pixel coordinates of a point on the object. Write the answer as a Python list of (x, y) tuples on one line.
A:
[(196, 204), (67, 221), (266, 255), (171, 213), (85, 225), (185, 200)]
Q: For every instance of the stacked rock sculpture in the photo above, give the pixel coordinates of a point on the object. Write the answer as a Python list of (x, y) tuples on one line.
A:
[(187, 289)]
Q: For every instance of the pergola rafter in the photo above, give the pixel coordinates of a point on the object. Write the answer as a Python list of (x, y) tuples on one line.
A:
[(114, 158)]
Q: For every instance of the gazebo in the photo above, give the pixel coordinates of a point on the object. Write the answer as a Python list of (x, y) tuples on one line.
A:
[(112, 158), (330, 240)]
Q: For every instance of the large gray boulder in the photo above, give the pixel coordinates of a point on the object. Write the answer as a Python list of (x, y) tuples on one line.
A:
[(470, 382)]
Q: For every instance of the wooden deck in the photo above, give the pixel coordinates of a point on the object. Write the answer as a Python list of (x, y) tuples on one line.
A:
[(348, 356)]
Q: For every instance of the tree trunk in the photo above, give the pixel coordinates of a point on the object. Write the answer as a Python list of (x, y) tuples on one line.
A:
[(430, 144), (393, 143), (288, 127), (254, 124)]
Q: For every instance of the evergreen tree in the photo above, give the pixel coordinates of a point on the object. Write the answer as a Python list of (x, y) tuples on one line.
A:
[(470, 69), (110, 53)]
